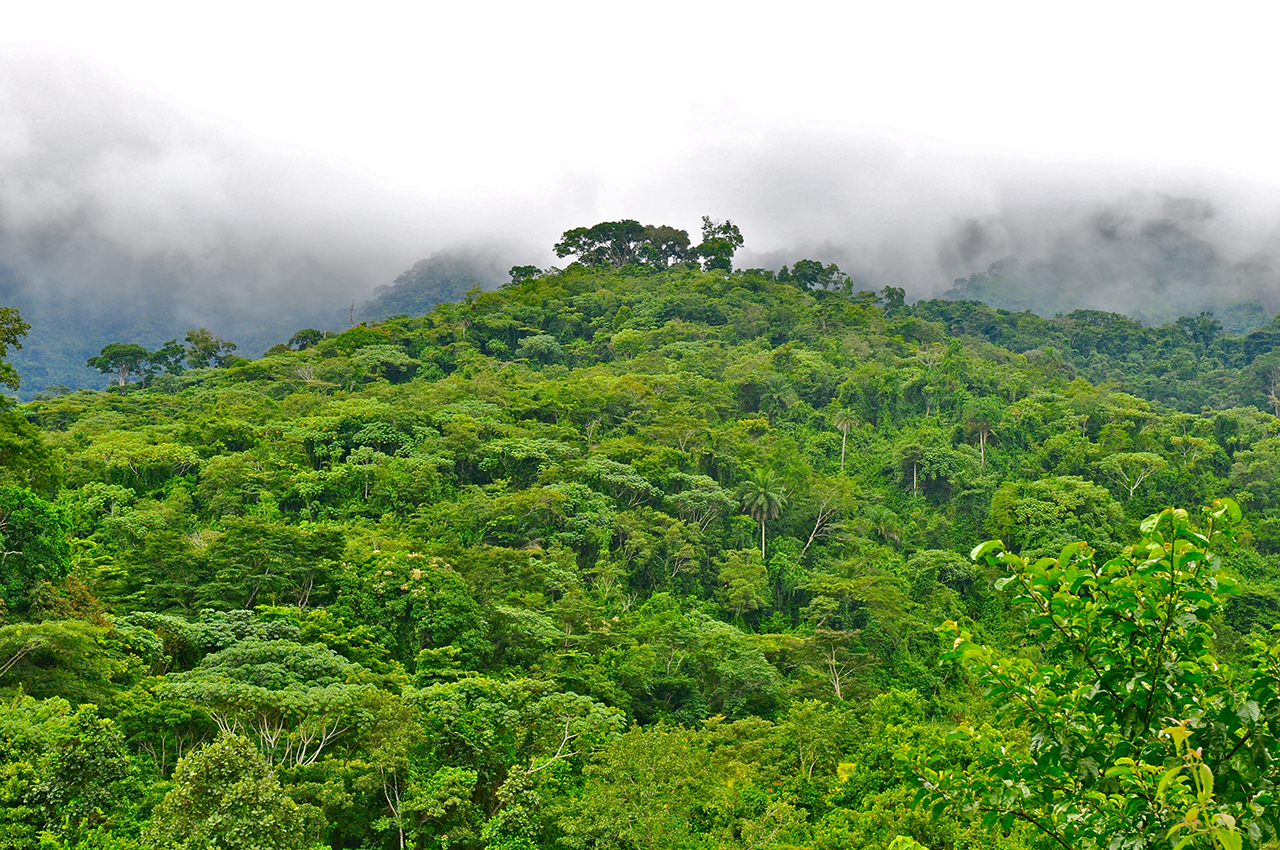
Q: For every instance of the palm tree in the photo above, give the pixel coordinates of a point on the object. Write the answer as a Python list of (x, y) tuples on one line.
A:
[(883, 523), (844, 422), (776, 395), (763, 498), (981, 417)]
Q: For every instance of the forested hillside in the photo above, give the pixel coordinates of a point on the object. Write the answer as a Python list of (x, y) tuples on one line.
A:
[(648, 553)]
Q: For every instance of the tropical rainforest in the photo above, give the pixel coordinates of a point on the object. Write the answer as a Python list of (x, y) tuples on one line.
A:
[(650, 552)]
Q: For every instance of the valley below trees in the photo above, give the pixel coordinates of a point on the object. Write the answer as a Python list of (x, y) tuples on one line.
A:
[(650, 553)]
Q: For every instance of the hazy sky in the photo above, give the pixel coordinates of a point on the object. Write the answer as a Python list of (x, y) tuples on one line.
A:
[(525, 95), (385, 131)]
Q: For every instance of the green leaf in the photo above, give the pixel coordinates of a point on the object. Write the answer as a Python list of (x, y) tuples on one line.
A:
[(984, 549), (1228, 838), (1206, 779), (1169, 776), (1248, 712), (1068, 552)]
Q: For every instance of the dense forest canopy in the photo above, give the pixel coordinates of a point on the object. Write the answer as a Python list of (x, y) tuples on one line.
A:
[(650, 553)]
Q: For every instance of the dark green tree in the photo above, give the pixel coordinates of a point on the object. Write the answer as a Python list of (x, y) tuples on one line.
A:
[(304, 339), (519, 274), (811, 274), (226, 797), (609, 243), (205, 350), (12, 330), (33, 544), (720, 240), (664, 245), (167, 358), (121, 358)]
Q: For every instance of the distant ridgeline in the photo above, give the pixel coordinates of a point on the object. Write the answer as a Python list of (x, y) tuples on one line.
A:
[(1155, 281), (1156, 294), (68, 328), (443, 278)]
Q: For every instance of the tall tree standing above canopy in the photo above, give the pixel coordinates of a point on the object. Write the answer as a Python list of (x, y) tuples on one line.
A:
[(12, 330), (720, 239), (811, 274), (627, 242), (609, 243), (844, 423), (125, 358), (763, 498), (665, 245), (205, 350), (122, 358)]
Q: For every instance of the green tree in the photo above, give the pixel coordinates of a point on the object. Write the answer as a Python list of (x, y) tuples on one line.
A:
[(167, 358), (12, 330), (257, 560), (763, 498), (540, 348), (67, 658), (84, 762), (33, 544), (1131, 717), (665, 245), (720, 240), (1039, 517), (642, 792), (296, 699), (304, 339), (122, 358), (844, 422), (981, 416), (226, 797), (609, 243), (744, 582), (811, 274), (620, 243), (204, 349), (26, 455), (1131, 469)]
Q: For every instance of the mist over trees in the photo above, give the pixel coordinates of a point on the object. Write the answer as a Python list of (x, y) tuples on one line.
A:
[(135, 221)]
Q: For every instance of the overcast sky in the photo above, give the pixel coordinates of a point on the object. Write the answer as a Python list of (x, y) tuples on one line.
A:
[(883, 126), (438, 95)]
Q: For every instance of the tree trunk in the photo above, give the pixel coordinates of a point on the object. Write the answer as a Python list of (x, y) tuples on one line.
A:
[(844, 438), (762, 540)]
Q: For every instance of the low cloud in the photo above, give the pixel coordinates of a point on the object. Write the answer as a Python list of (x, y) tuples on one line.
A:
[(123, 216)]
